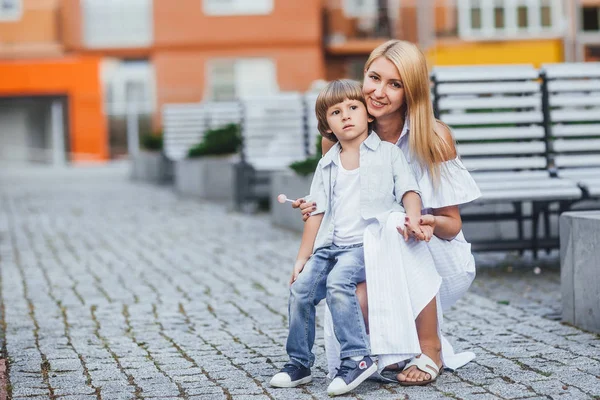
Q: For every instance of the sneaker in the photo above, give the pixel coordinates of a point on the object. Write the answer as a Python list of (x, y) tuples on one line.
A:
[(291, 375), (351, 374)]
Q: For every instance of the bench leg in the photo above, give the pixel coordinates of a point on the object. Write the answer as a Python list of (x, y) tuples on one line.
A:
[(518, 206), (547, 221), (244, 175), (536, 209)]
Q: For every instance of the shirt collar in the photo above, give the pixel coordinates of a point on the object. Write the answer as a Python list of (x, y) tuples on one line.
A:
[(332, 156), (372, 141), (405, 128)]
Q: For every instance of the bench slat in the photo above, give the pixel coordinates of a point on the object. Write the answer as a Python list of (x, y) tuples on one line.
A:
[(501, 148), (572, 70), (493, 118), (477, 103), (504, 163), (510, 176), (579, 172), (485, 73), (575, 100), (579, 160), (573, 85), (563, 115), (576, 145), (525, 132), (546, 183), (576, 130), (488, 88), (561, 193)]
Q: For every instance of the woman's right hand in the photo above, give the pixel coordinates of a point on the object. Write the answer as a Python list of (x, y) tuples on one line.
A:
[(305, 207)]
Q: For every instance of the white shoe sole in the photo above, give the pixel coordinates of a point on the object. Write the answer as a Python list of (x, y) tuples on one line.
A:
[(361, 378), (299, 382)]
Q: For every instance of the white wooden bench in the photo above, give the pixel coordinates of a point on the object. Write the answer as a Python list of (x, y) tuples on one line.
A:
[(273, 130), (185, 124), (497, 120), (310, 100), (274, 137), (573, 91)]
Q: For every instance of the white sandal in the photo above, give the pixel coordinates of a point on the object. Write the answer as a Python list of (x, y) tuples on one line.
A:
[(424, 364)]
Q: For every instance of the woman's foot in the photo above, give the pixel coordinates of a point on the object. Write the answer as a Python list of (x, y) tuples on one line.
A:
[(413, 374)]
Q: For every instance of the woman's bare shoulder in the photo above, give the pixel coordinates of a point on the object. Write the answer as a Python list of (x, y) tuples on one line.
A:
[(326, 145), (444, 132)]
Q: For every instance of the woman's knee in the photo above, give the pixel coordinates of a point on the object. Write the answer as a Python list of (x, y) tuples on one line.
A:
[(361, 295)]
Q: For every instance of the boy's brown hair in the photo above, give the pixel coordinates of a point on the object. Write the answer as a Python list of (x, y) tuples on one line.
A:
[(334, 93)]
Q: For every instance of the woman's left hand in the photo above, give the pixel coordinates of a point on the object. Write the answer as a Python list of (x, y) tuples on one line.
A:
[(427, 223), (412, 229)]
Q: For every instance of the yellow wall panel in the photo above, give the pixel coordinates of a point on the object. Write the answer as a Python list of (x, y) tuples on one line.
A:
[(534, 52)]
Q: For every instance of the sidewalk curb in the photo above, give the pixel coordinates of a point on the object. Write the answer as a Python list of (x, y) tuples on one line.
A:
[(3, 380)]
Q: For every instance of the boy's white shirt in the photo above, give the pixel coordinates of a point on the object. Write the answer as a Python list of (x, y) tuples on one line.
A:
[(384, 179), (349, 226)]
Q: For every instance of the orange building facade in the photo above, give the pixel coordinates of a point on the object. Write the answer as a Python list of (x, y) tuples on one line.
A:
[(103, 61), (84, 66)]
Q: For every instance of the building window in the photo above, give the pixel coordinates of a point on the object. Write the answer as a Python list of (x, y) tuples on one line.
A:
[(237, 7), (499, 15), (128, 85), (10, 10), (117, 23), (546, 14), (230, 79), (522, 17), (222, 80), (496, 19), (591, 19), (360, 8), (475, 14)]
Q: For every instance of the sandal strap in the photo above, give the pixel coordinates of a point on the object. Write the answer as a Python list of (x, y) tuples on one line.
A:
[(424, 364)]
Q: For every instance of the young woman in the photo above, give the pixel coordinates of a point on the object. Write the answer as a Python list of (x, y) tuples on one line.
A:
[(397, 91)]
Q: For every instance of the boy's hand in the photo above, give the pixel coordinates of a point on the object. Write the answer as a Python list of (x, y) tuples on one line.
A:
[(427, 223), (305, 207), (298, 267)]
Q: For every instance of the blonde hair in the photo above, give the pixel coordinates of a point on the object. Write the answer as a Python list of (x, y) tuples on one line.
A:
[(334, 93), (426, 145)]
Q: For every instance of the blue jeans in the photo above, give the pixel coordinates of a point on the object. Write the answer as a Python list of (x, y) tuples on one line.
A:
[(333, 273)]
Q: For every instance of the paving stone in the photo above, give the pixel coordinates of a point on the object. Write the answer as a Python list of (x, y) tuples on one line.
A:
[(18, 390), (190, 290)]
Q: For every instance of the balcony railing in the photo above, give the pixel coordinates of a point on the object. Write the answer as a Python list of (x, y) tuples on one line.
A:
[(347, 30), (354, 30)]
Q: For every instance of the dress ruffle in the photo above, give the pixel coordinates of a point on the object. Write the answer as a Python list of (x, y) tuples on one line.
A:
[(456, 185)]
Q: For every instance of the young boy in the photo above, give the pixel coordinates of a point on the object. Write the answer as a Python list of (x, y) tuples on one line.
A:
[(359, 180)]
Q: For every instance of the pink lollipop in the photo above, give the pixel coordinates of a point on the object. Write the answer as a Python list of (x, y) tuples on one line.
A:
[(282, 198)]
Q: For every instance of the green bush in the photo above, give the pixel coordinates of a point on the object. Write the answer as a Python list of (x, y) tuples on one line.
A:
[(225, 140), (308, 166), (152, 141)]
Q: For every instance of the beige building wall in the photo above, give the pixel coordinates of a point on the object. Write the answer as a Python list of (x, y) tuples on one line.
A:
[(35, 33)]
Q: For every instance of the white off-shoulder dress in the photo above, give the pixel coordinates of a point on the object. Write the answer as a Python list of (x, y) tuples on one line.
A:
[(403, 277)]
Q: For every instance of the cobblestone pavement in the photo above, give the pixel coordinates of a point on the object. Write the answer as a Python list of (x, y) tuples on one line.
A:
[(530, 285), (115, 290)]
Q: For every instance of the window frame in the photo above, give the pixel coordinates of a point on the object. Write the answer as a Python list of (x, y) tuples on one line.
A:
[(217, 8), (590, 31), (352, 10), (99, 16), (511, 30), (116, 75), (13, 16), (238, 66)]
